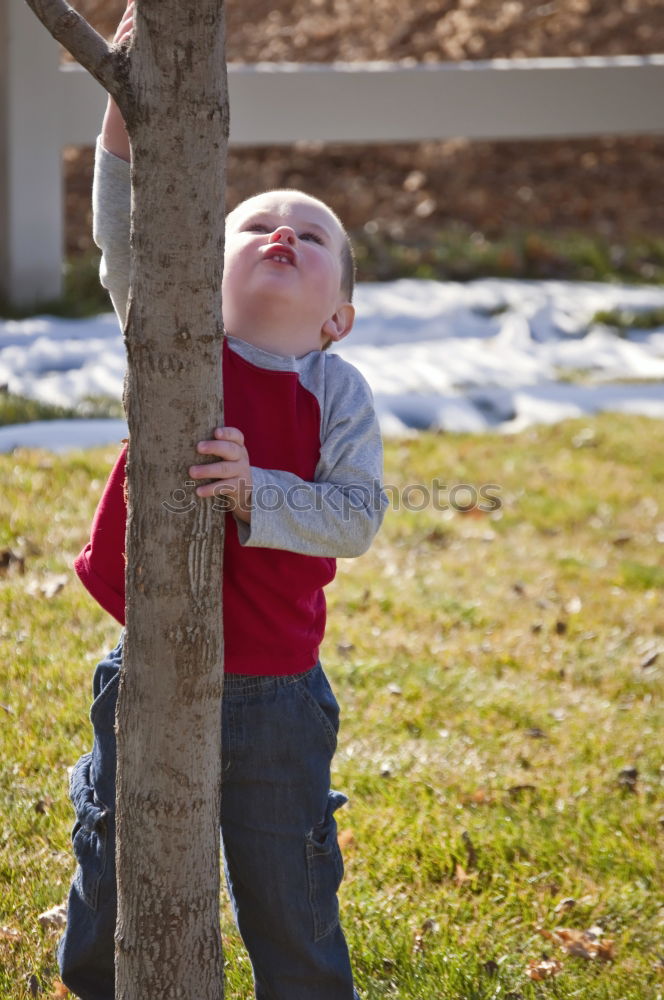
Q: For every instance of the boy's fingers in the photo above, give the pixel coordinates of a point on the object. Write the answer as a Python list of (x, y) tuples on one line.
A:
[(229, 434), (222, 449), (122, 33), (215, 470), (126, 25), (226, 487)]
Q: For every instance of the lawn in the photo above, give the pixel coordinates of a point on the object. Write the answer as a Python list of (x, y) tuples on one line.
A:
[(501, 676)]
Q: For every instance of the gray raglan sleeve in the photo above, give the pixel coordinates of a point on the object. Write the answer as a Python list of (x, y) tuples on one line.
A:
[(111, 206), (340, 512)]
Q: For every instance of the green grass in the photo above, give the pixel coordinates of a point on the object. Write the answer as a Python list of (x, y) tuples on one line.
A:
[(630, 319), (460, 253), (20, 409), (496, 674)]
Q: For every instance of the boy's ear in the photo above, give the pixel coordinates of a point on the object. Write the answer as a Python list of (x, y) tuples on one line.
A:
[(340, 324)]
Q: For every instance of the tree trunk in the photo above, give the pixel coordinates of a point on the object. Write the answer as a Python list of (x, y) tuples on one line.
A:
[(169, 718), (171, 87)]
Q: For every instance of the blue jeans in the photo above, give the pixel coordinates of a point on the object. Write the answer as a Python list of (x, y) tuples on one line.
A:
[(282, 861)]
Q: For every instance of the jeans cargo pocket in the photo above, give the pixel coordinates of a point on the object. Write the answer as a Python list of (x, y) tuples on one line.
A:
[(325, 869), (89, 836)]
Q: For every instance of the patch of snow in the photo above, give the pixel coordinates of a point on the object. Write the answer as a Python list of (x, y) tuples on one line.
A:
[(492, 354)]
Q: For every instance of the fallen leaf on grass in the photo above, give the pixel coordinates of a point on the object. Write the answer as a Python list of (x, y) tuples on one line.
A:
[(622, 539), (345, 648), (514, 791), (346, 839), (10, 559), (60, 991), (56, 917), (430, 926), (628, 778), (462, 877), (543, 968), (564, 904), (9, 934), (480, 797), (471, 853), (582, 944), (48, 586)]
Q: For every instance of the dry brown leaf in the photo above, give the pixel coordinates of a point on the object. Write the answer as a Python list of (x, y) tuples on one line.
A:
[(346, 839), (60, 991), (606, 950), (583, 944), (514, 791), (471, 853), (543, 968), (480, 797), (56, 917), (461, 876), (628, 778), (10, 560), (9, 934), (565, 904), (48, 586), (430, 926)]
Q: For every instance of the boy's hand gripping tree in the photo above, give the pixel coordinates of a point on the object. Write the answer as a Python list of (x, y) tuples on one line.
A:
[(169, 82)]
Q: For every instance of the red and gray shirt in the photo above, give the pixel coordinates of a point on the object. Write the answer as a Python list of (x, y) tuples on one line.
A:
[(314, 444)]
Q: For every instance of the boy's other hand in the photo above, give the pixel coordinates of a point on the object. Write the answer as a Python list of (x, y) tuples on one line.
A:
[(232, 475), (126, 25)]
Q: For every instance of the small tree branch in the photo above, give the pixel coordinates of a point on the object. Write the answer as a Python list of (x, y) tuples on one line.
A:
[(80, 39)]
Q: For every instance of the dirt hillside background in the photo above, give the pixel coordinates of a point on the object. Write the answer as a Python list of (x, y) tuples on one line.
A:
[(607, 186)]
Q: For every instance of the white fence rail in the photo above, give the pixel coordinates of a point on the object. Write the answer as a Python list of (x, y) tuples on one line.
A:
[(45, 106)]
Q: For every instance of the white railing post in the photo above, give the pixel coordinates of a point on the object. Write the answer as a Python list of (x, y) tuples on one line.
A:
[(31, 209)]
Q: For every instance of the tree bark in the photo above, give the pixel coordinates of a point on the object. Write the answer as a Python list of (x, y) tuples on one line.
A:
[(171, 87)]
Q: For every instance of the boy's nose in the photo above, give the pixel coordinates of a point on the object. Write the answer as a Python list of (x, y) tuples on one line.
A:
[(284, 234)]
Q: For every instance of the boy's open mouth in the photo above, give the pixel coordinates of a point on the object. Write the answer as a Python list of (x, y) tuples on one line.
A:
[(280, 253)]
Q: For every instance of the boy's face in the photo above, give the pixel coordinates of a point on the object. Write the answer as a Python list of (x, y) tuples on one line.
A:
[(282, 274)]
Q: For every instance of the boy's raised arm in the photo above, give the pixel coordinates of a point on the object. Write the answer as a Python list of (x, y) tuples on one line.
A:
[(111, 195), (111, 209), (114, 136)]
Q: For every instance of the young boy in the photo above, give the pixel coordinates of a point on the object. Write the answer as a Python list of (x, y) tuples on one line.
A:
[(300, 464)]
